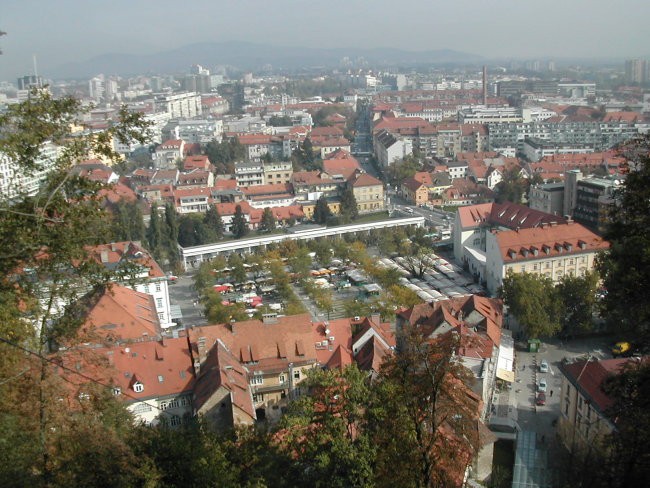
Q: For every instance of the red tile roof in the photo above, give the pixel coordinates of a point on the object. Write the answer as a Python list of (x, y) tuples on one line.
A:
[(553, 240), (163, 367), (364, 179), (271, 346), (222, 369), (119, 314), (590, 375)]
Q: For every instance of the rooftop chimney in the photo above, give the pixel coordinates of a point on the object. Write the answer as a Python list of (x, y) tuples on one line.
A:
[(104, 256)]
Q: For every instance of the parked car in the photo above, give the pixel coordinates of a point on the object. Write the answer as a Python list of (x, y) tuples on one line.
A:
[(541, 386), (622, 349), (543, 366), (541, 398)]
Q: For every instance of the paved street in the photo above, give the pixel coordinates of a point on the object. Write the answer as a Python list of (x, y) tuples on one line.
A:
[(182, 294), (518, 403)]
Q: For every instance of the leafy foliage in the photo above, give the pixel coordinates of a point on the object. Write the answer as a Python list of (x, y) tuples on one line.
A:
[(625, 267), (322, 211), (239, 226), (268, 221), (349, 210), (533, 300)]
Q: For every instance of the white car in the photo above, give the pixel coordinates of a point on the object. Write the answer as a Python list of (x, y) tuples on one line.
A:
[(543, 366), (541, 386)]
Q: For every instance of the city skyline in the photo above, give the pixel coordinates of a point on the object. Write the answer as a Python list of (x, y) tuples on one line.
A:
[(509, 29)]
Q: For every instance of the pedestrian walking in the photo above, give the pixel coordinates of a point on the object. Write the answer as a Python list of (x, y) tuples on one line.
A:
[(551, 392), (523, 367)]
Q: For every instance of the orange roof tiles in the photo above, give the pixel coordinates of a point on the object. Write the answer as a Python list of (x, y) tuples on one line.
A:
[(277, 344), (119, 314), (553, 240), (222, 369)]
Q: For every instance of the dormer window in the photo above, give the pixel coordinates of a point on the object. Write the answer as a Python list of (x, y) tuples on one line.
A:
[(534, 250), (512, 253), (117, 391), (582, 244), (546, 249), (138, 387), (568, 246)]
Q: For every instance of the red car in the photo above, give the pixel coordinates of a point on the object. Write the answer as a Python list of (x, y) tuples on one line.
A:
[(541, 398)]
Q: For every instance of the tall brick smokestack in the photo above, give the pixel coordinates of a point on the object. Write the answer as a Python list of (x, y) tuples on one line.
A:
[(485, 85)]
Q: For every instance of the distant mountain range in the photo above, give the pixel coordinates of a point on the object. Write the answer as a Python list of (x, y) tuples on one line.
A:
[(251, 56)]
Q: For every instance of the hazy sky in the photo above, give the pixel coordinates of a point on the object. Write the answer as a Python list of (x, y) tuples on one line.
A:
[(61, 31)]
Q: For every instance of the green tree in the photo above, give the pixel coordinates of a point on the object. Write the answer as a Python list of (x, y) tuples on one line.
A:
[(628, 459), (300, 262), (322, 248), (577, 296), (533, 300), (324, 433), (170, 237), (512, 188), (268, 221), (237, 268), (192, 231), (398, 171), (154, 234), (128, 224), (214, 223), (349, 209), (322, 211), (280, 121), (44, 262), (239, 226), (625, 266)]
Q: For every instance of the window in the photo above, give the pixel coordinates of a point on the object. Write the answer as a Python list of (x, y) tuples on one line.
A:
[(146, 288), (160, 378), (159, 302), (184, 401), (282, 378), (138, 387), (175, 420), (157, 286), (174, 403), (117, 390), (257, 380), (296, 375)]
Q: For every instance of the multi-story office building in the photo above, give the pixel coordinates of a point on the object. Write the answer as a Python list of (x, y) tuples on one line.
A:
[(636, 70), (595, 198), (548, 198)]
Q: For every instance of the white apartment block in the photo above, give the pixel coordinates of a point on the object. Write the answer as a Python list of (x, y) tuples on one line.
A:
[(199, 131), (480, 114), (185, 105), (249, 174), (14, 181)]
